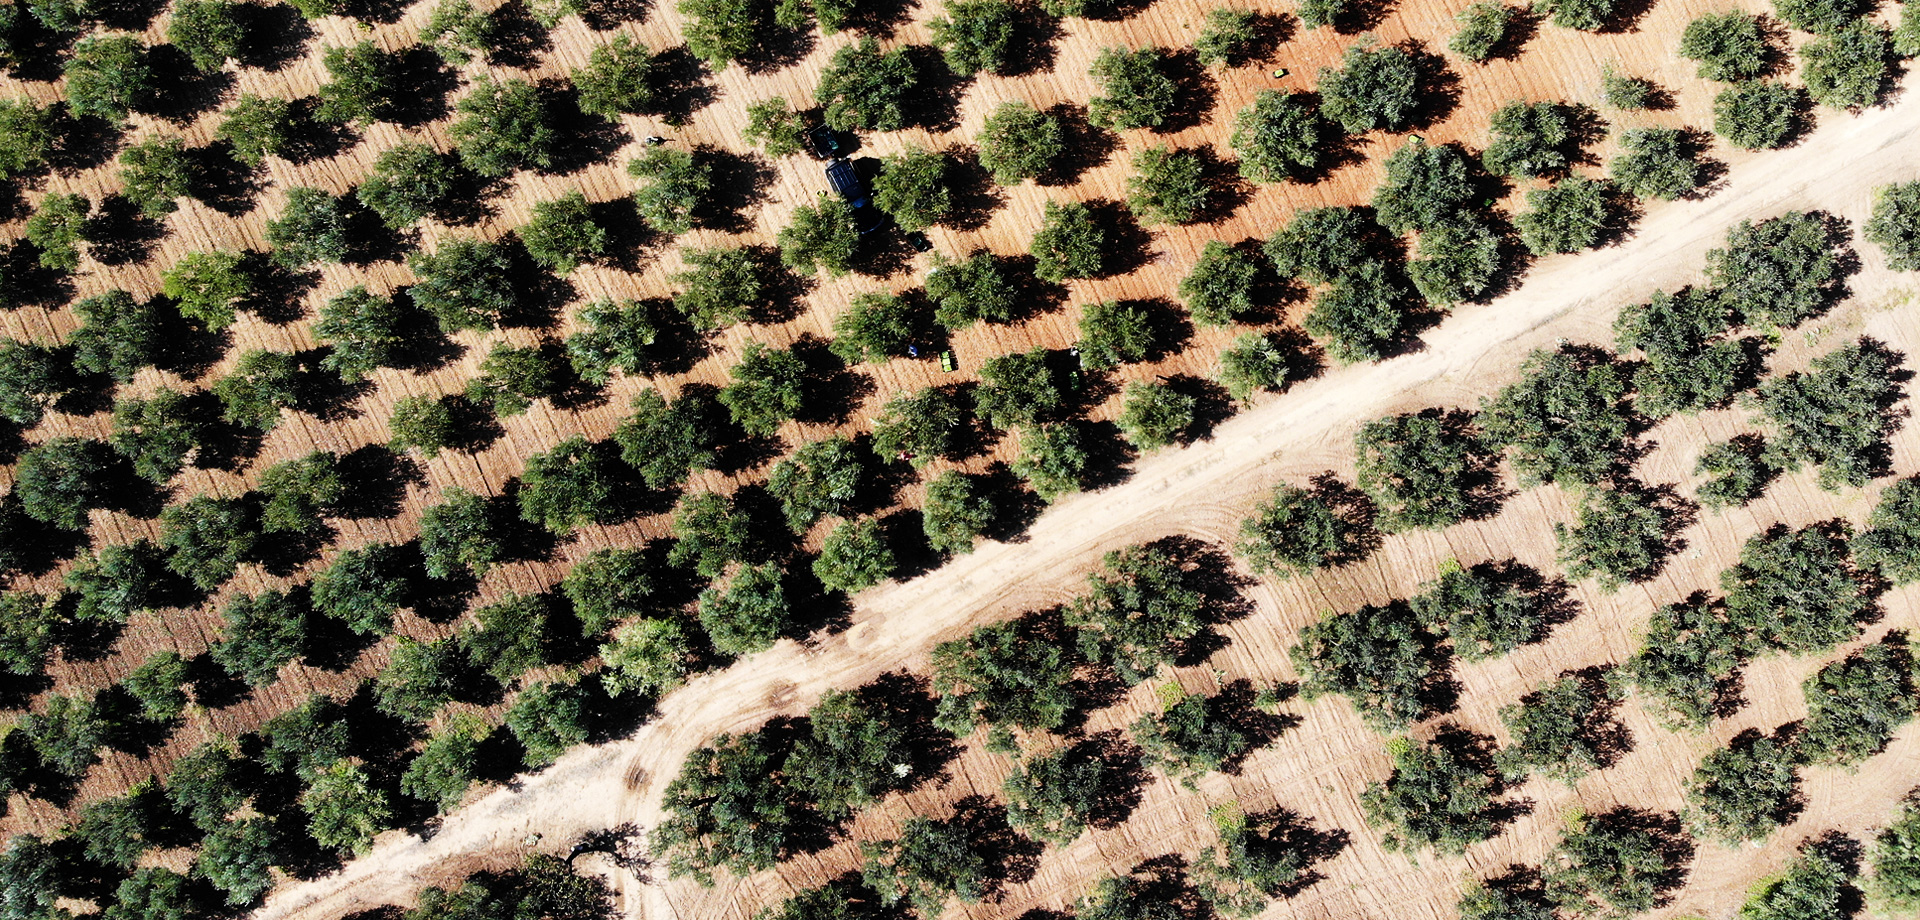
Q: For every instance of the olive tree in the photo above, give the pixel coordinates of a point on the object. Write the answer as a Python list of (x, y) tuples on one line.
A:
[(820, 237), (1280, 136), (1745, 790), (1373, 88), (1134, 90), (1054, 460), (362, 86), (1532, 139), (257, 127), (1167, 186), (1481, 28), (1847, 69), (463, 284), (1426, 186), (1729, 46), (1832, 415), (504, 126), (618, 79), (674, 185), (1657, 163), (1568, 216), (1564, 420), (563, 233), (1070, 243), (1377, 657), (1894, 225), (768, 388), (108, 76), (913, 186), (1619, 536), (1434, 799), (460, 534), (314, 226), (957, 512), (775, 128), (155, 174), (666, 442), (409, 182), (1019, 142), (865, 89), (976, 35)]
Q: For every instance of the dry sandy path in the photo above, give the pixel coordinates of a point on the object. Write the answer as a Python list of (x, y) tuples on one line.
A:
[(1466, 357)]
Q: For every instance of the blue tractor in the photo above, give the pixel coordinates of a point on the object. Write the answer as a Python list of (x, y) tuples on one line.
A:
[(846, 181)]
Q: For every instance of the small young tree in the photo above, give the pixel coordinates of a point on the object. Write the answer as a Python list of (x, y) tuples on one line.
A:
[(1018, 142), (1053, 460), (563, 233), (821, 237), (1134, 89), (1532, 139), (1482, 27), (957, 511), (775, 128), (665, 443), (617, 79), (107, 77), (1008, 675), (155, 173), (1736, 472), (1895, 224), (1228, 38), (363, 588), (976, 35), (363, 85), (720, 32), (1434, 799), (363, 332), (1279, 137), (59, 480), (1154, 415), (1745, 790), (769, 387), (1422, 471), (1564, 420), (1625, 92), (261, 387), (446, 767), (422, 423), (866, 89), (913, 186), (1610, 864), (409, 182), (1730, 46), (712, 532), (819, 479), (924, 426), (1657, 163), (57, 228), (464, 284), (674, 184), (571, 486), (720, 286), (1373, 88), (1167, 186), (647, 656), (460, 535), (1294, 532), (504, 126), (1619, 536), (1070, 243), (208, 537), (1377, 657), (513, 377), (876, 327), (1567, 216), (1832, 415), (459, 33), (261, 634)]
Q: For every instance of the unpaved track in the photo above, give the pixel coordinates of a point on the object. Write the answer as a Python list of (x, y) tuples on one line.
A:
[(1180, 491)]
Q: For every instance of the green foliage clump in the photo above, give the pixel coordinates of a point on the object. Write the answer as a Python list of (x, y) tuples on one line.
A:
[(313, 227), (976, 36), (1890, 546), (1457, 260), (155, 173), (1833, 415), (1564, 420), (1054, 460), (1017, 389), (617, 79), (1821, 16), (1847, 69), (913, 187), (1562, 730), (1422, 471), (1296, 532), (1015, 674), (1221, 285), (673, 186), (118, 335), (257, 127), (1134, 90), (1625, 92), (261, 634), (1154, 415), (730, 806), (1070, 243), (1114, 333), (1619, 536), (720, 286), (1730, 46), (923, 427), (1657, 163), (1279, 137), (1585, 15), (1895, 858), (648, 656), (422, 423), (821, 237), (1737, 474), (459, 534), (608, 586), (720, 32), (61, 479), (363, 332), (296, 494), (26, 135), (32, 377), (363, 588), (1815, 886), (463, 284), (444, 769), (409, 182), (344, 808), (1360, 315), (614, 335), (209, 286), (665, 442), (1567, 216), (512, 377), (1796, 590), (1193, 737), (301, 741), (56, 228), (1855, 705), (28, 622), (1745, 790), (866, 89), (1482, 27), (1781, 271), (774, 128), (113, 583), (1319, 245), (929, 862), (876, 327), (1691, 364), (210, 32), (236, 858), (1759, 114), (1486, 610), (509, 637), (1373, 88), (571, 486), (1139, 612), (419, 678), (1019, 142), (1532, 139), (1434, 799), (503, 127), (1054, 795), (563, 233), (1167, 186), (1613, 864), (1377, 657), (362, 85), (769, 387), (459, 33), (207, 538), (712, 532), (957, 511), (1254, 362), (855, 747), (1895, 224), (818, 479), (156, 685), (108, 76), (261, 387), (1687, 659), (1228, 38)]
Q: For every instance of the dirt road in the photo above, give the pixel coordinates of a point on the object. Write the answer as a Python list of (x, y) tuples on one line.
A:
[(1198, 491)]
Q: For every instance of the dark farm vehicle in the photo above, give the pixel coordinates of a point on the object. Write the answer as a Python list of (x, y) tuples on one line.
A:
[(847, 182)]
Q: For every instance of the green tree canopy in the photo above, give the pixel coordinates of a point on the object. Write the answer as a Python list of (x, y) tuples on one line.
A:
[(923, 426), (509, 637), (445, 768), (563, 233), (574, 484), (1855, 705), (155, 174), (667, 442), (1154, 415), (423, 423), (859, 746), (617, 79), (720, 32), (363, 588), (768, 388), (1482, 27), (1486, 610), (344, 808), (1563, 420), (932, 861), (1619, 535), (876, 327), (56, 228), (362, 86), (261, 387), (1053, 460), (1567, 216), (1134, 90), (1295, 532), (817, 480), (1613, 864), (866, 89), (1533, 139), (1070, 243), (1745, 790), (1422, 471), (1434, 799), (464, 283), (1562, 730), (548, 719), (257, 127), (674, 185), (1019, 142), (976, 35), (503, 127), (61, 479), (1832, 415), (1796, 590), (26, 135), (712, 532), (1003, 676), (1890, 545), (409, 182), (262, 633), (731, 805), (650, 656), (363, 332), (513, 377), (208, 537), (1138, 613), (1657, 163), (1054, 795), (774, 127), (1228, 38), (1895, 224), (1167, 186), (1730, 46), (957, 511), (1426, 186), (1781, 271), (460, 534), (720, 286), (1254, 362), (913, 186), (1378, 657), (1279, 137), (607, 586), (1360, 315), (108, 76), (1193, 736), (1373, 88), (821, 237)]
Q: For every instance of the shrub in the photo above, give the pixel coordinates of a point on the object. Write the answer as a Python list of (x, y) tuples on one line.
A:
[(1895, 224), (1482, 27), (1255, 361), (1434, 799), (1586, 15), (260, 388), (1014, 674), (1053, 460), (155, 173), (262, 633), (956, 512), (504, 126), (650, 656), (720, 286), (1625, 92), (664, 443), (362, 85), (617, 79), (1377, 657), (1759, 115), (865, 89), (59, 480), (1611, 863), (1729, 46), (1567, 216), (1228, 38), (1848, 68), (1794, 590), (1485, 610), (1168, 186), (1155, 415), (1832, 415), (729, 807), (1133, 89), (408, 182), (443, 770), (976, 35), (56, 229), (563, 233), (1781, 271), (1620, 536), (363, 332), (1457, 261), (1823, 16), (913, 186), (1054, 795), (615, 335), (1563, 420), (107, 77), (674, 185), (1421, 471), (464, 284), (257, 127), (458, 33), (207, 538), (855, 556), (1278, 137), (1745, 790), (1537, 139), (1018, 142), (1070, 243), (774, 128), (459, 535), (1657, 163), (1855, 705), (768, 388), (821, 237), (1360, 315), (748, 614), (721, 31), (1017, 389), (923, 426), (344, 808), (363, 588), (1372, 88), (711, 533), (26, 134), (422, 423)]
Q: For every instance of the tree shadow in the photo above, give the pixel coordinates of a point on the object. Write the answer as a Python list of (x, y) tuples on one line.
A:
[(1226, 189), (1123, 780), (1085, 146), (274, 35), (777, 48), (834, 391), (1128, 245), (1196, 91), (1032, 50), (379, 479), (28, 282), (974, 193), (1237, 706), (1625, 17), (681, 84), (83, 142), (605, 15), (118, 234), (1015, 506), (580, 139), (384, 12), (518, 39), (740, 182), (331, 646), (428, 82), (1439, 86), (1280, 832), (213, 686), (1012, 857), (538, 293), (181, 91), (221, 182), (935, 101), (1523, 23), (1357, 16), (1354, 511)]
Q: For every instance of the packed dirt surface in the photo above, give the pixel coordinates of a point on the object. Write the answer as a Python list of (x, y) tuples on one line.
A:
[(1318, 767)]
